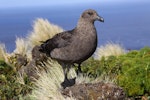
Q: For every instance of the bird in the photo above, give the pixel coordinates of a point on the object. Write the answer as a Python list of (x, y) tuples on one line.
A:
[(74, 46)]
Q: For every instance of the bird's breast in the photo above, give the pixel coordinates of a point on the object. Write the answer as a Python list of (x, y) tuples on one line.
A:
[(85, 46)]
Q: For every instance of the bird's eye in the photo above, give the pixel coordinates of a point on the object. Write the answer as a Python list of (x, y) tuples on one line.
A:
[(90, 13)]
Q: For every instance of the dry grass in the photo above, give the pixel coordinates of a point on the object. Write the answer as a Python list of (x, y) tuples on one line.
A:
[(21, 46), (3, 53), (48, 85), (42, 30), (83, 79), (104, 78), (108, 50)]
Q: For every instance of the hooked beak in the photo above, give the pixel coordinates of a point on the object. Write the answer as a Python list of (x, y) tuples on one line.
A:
[(101, 19)]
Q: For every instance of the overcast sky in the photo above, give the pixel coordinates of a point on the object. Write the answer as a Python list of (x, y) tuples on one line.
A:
[(27, 3)]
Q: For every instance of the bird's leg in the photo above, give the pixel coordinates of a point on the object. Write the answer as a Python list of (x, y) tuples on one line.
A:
[(67, 82), (66, 70), (79, 69)]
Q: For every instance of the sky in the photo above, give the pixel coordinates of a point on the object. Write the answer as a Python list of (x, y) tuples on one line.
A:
[(34, 3), (26, 3)]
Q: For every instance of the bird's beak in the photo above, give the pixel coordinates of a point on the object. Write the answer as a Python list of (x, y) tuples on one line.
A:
[(101, 19)]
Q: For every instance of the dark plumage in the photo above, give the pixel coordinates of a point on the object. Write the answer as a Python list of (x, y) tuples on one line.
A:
[(77, 45)]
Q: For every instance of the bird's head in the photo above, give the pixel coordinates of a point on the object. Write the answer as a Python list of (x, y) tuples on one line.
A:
[(91, 15)]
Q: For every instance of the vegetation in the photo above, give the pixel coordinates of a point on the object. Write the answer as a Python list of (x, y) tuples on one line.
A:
[(42, 30), (130, 71), (111, 63), (108, 50), (10, 87), (14, 83)]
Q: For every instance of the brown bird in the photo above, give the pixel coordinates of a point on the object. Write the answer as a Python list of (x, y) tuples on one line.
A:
[(74, 46)]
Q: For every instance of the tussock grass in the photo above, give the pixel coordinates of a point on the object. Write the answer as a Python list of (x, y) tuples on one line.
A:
[(48, 85), (110, 49), (3, 53), (42, 30), (21, 46)]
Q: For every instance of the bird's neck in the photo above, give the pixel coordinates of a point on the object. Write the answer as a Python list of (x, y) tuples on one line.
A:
[(86, 26), (84, 23)]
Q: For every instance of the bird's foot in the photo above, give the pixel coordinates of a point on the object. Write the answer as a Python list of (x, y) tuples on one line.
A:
[(68, 82)]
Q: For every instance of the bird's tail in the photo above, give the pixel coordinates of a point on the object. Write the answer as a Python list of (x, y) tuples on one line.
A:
[(47, 46)]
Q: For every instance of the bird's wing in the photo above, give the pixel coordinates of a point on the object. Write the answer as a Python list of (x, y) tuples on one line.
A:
[(59, 40), (63, 39)]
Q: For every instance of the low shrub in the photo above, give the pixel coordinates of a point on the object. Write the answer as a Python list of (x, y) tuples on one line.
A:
[(10, 87), (130, 71)]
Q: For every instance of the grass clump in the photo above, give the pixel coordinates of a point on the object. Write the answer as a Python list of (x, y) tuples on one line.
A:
[(21, 46), (3, 53), (42, 30), (110, 49), (48, 84)]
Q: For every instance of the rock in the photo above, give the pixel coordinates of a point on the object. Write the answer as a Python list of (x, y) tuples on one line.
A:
[(95, 91)]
